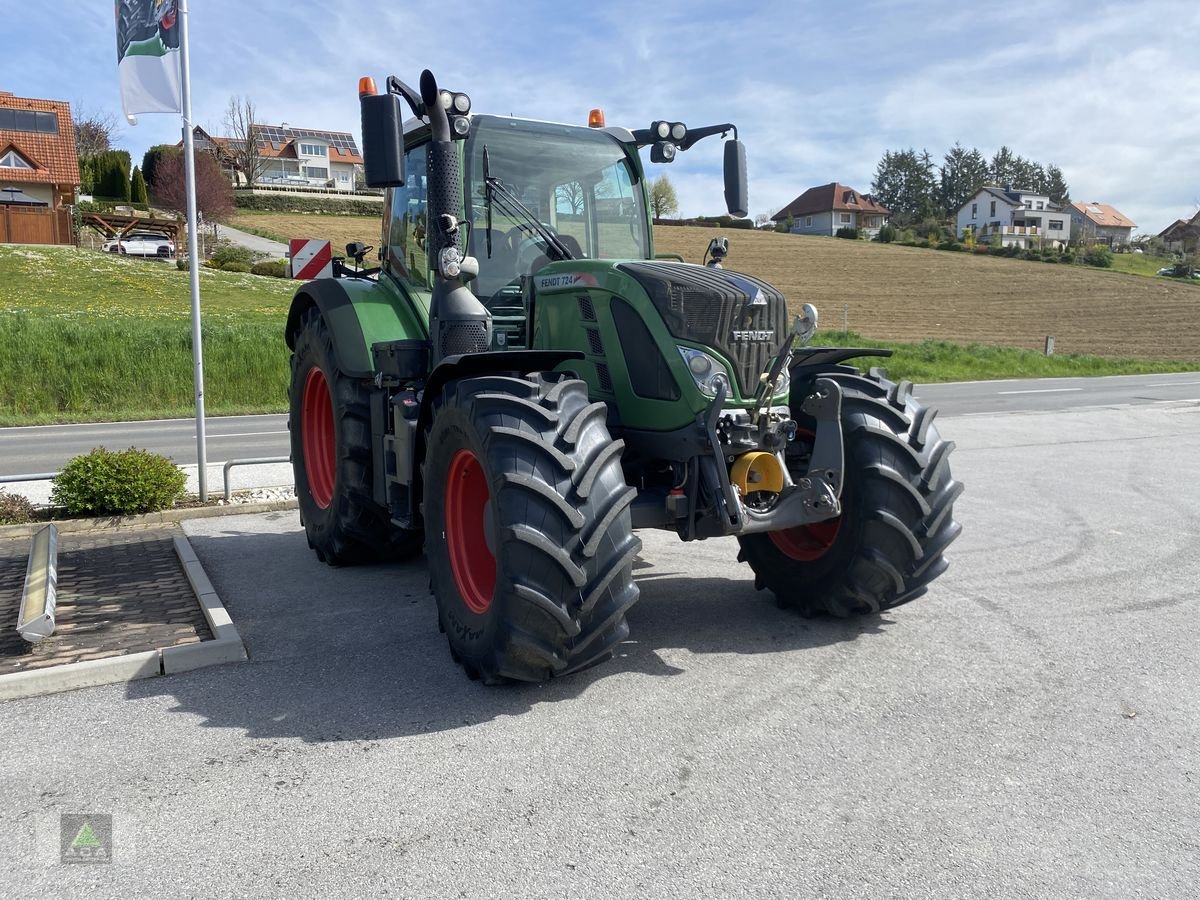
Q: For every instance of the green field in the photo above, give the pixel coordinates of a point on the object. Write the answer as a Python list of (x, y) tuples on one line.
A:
[(87, 336)]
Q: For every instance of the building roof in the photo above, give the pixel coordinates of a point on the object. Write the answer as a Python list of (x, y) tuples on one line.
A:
[(1010, 195), (279, 142), (1181, 228), (42, 133), (832, 197), (1104, 215)]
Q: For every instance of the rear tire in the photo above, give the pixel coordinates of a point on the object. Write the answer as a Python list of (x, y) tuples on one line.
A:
[(530, 540), (330, 424), (897, 510)]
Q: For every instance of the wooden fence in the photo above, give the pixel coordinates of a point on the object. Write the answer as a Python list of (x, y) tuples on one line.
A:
[(35, 225)]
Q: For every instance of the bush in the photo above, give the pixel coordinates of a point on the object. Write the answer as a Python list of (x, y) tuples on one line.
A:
[(1099, 256), (283, 202), (887, 234), (104, 483), (232, 253), (950, 245), (235, 267), (850, 234), (273, 268), (14, 509)]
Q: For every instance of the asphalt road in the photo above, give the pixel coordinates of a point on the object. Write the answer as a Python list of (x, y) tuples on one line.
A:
[(1027, 729), (46, 448)]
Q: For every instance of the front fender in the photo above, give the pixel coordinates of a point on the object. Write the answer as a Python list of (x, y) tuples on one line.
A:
[(358, 313)]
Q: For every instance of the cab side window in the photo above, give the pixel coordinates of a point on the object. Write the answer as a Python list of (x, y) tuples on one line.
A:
[(407, 223)]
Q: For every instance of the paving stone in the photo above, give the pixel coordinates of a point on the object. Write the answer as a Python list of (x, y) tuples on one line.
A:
[(120, 591)]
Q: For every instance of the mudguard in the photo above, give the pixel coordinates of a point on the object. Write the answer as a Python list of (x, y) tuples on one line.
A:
[(360, 312), (819, 357)]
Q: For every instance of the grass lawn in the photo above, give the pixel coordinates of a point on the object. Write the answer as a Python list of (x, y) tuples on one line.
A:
[(86, 335), (339, 230), (1140, 263)]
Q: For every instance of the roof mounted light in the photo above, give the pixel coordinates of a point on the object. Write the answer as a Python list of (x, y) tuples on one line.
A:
[(462, 104), (678, 131), (662, 130), (596, 118), (366, 87)]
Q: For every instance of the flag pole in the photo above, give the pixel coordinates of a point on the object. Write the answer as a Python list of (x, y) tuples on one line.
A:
[(193, 253)]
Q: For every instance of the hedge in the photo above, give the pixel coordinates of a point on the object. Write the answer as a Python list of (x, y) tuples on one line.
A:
[(299, 203)]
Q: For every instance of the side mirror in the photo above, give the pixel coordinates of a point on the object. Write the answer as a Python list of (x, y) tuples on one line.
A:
[(383, 140), (735, 179)]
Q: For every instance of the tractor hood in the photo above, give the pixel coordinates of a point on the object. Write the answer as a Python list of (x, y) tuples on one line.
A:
[(739, 316)]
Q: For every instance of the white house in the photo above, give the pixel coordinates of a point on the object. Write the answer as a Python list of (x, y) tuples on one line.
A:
[(306, 156), (297, 157), (1020, 217)]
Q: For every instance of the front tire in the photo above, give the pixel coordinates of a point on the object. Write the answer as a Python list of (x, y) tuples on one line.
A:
[(897, 510), (530, 540), (330, 425)]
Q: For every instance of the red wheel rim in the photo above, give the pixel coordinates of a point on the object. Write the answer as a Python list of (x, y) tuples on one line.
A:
[(471, 561), (317, 435), (807, 543)]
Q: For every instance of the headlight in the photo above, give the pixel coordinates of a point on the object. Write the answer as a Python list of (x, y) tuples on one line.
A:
[(462, 104), (784, 384), (663, 129), (678, 131), (705, 370)]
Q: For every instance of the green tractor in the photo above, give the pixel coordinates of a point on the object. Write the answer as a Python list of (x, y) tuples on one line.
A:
[(522, 383)]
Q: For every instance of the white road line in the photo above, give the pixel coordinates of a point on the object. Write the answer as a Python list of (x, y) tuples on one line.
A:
[(1041, 391), (1171, 383)]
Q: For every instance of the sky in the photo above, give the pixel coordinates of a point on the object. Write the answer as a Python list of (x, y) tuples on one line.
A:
[(1109, 92)]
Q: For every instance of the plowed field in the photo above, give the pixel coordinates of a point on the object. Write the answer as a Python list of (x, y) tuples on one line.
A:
[(911, 293)]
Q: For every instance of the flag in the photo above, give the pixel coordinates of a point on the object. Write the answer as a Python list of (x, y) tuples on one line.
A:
[(148, 55)]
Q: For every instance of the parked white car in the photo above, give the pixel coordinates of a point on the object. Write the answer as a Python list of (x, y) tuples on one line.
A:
[(141, 245)]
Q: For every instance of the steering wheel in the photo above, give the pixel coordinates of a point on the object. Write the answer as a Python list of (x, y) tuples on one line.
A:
[(526, 248)]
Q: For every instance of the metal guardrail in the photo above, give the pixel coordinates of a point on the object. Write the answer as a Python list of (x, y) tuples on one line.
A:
[(260, 461), (38, 476), (257, 461)]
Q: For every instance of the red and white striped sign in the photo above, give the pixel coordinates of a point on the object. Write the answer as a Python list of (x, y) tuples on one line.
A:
[(311, 259)]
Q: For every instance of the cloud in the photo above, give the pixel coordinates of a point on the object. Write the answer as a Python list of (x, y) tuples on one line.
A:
[(1107, 91)]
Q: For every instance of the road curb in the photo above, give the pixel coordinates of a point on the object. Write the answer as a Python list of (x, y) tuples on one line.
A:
[(166, 516), (226, 647)]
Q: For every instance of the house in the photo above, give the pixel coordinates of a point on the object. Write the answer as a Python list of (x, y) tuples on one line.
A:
[(1099, 223), (1013, 216), (39, 170), (295, 157), (1182, 235), (825, 209)]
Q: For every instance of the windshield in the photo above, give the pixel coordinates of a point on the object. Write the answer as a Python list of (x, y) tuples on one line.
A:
[(579, 183)]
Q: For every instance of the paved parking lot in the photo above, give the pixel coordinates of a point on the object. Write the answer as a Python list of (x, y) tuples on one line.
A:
[(1028, 729)]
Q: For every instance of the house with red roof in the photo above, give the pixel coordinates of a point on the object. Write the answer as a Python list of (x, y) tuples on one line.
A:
[(1182, 235), (39, 170), (825, 209), (1099, 223), (296, 157)]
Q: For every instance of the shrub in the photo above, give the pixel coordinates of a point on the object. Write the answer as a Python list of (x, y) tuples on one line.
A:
[(273, 268), (887, 234), (14, 509), (1099, 256), (950, 245), (104, 483), (232, 253), (850, 234), (235, 267), (284, 202)]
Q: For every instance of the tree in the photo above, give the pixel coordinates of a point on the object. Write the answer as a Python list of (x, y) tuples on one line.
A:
[(151, 160), (95, 133), (111, 174), (571, 196), (243, 136), (1004, 168), (663, 202), (137, 188), (904, 182), (1056, 185), (214, 194)]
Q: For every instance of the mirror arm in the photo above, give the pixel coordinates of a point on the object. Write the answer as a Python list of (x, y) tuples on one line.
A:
[(396, 86), (698, 134)]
